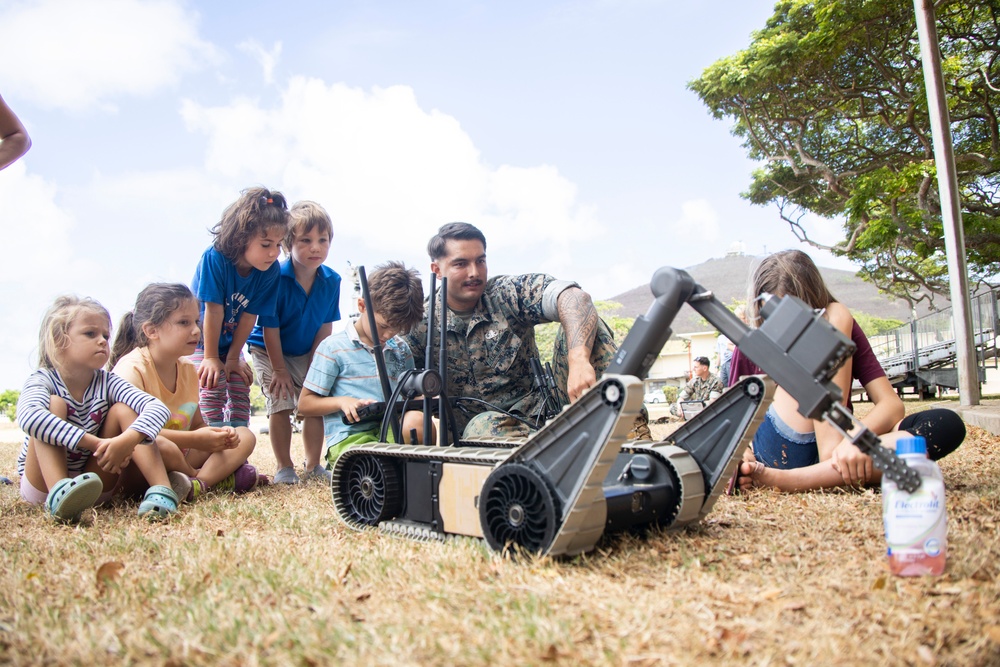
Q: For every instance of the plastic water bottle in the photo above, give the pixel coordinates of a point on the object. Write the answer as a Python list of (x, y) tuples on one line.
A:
[(916, 525)]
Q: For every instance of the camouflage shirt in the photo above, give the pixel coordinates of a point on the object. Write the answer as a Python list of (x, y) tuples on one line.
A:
[(700, 390), (488, 355)]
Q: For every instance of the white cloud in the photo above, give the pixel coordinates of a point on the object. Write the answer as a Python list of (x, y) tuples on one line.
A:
[(827, 231), (75, 55), (536, 200), (698, 221), (388, 171), (623, 276), (39, 266), (29, 203), (122, 232), (268, 60)]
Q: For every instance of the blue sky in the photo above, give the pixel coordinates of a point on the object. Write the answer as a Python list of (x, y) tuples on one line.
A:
[(564, 130)]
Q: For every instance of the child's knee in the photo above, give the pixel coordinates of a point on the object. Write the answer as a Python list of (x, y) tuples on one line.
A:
[(119, 417), (247, 439), (148, 451), (122, 411), (413, 421), (167, 447)]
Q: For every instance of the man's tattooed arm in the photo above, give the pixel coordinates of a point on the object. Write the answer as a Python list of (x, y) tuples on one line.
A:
[(578, 317)]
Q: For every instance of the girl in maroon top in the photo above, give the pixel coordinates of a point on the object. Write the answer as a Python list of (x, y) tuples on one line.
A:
[(795, 453)]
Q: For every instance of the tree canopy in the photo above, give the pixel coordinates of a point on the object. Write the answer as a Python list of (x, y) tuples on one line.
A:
[(545, 334), (8, 403), (830, 97)]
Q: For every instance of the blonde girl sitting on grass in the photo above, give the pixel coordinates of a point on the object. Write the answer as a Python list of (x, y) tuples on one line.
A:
[(83, 424), (150, 351)]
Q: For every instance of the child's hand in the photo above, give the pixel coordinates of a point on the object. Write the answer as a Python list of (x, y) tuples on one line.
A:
[(209, 372), (219, 438), (114, 454), (232, 438), (350, 406), (281, 385), (852, 464), (239, 367)]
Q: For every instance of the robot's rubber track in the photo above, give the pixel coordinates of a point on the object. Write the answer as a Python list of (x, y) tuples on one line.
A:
[(604, 414), (490, 457)]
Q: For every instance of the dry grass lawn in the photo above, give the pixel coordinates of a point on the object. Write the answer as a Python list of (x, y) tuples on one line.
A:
[(273, 578)]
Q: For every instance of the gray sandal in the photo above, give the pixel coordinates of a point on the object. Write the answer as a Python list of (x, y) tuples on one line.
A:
[(71, 495)]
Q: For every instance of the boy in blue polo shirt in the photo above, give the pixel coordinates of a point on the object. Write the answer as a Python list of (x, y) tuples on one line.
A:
[(283, 345)]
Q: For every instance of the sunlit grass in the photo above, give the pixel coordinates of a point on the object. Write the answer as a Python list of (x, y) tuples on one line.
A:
[(273, 578)]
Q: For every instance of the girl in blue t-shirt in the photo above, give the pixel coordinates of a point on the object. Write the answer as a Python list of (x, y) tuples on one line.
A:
[(236, 280)]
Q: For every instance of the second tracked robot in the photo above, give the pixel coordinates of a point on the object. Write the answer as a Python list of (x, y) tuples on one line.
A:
[(578, 476)]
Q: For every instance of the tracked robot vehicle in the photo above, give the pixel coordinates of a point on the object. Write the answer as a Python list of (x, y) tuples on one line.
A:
[(578, 476)]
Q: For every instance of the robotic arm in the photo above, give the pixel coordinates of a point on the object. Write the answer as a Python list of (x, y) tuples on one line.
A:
[(799, 351)]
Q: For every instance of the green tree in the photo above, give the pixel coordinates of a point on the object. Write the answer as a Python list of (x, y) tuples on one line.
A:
[(545, 334), (873, 325), (830, 97), (608, 311), (545, 339), (8, 403), (258, 403)]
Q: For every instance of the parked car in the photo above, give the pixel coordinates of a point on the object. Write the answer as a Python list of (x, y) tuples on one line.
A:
[(655, 397)]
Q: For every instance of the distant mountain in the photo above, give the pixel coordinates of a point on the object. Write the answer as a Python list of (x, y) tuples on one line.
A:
[(727, 278)]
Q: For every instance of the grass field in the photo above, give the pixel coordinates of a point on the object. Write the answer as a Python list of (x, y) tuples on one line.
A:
[(273, 578)]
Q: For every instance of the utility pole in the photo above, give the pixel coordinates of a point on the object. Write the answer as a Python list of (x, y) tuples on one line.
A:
[(951, 213)]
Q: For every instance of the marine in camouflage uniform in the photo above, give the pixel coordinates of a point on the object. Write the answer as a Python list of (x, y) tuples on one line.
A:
[(489, 353), (698, 389)]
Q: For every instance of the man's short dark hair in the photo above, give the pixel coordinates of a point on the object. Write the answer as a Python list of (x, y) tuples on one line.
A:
[(453, 231), (703, 361)]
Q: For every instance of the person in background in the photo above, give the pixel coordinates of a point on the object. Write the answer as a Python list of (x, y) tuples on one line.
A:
[(703, 386)]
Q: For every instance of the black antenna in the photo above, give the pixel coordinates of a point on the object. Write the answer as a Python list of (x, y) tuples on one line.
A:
[(445, 418), (379, 360), (554, 389), (427, 362), (544, 389)]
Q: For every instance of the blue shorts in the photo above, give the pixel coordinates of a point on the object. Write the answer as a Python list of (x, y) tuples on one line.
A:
[(777, 445)]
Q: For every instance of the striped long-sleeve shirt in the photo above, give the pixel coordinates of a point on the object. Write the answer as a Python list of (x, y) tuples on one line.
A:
[(84, 416)]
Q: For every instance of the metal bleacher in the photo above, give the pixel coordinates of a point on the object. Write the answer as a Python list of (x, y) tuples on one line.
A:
[(921, 355)]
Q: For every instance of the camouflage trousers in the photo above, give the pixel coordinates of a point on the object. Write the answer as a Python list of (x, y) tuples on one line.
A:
[(497, 424)]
